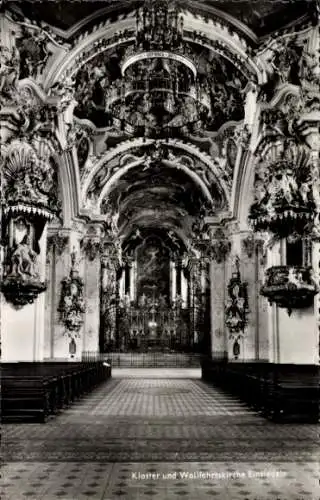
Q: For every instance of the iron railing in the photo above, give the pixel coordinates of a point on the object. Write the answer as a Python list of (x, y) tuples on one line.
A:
[(145, 359)]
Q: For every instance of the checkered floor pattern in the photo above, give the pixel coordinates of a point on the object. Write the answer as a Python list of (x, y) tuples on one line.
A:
[(164, 398), (159, 438)]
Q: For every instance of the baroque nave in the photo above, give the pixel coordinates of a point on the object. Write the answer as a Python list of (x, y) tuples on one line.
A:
[(160, 249)]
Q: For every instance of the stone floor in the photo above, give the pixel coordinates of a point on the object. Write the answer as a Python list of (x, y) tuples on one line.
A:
[(154, 436)]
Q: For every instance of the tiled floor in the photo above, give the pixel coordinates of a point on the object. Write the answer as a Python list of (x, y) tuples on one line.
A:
[(159, 438), (133, 481)]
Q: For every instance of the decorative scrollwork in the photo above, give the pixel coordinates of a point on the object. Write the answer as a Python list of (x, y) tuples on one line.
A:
[(22, 282), (29, 178), (72, 305), (237, 306), (286, 190), (290, 287), (92, 248), (58, 242), (220, 247), (249, 245)]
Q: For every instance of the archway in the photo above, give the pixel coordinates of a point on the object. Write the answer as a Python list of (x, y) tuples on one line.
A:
[(161, 300)]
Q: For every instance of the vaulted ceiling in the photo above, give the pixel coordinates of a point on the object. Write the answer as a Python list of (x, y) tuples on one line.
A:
[(202, 97), (262, 17)]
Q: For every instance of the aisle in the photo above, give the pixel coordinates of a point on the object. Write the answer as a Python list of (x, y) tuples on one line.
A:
[(159, 438)]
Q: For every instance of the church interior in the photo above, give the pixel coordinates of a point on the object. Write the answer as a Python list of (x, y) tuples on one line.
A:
[(160, 249)]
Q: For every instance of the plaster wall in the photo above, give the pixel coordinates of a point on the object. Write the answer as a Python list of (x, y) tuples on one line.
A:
[(22, 330)]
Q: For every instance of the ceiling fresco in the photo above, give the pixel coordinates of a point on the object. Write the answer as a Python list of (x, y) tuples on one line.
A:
[(261, 17), (219, 84), (161, 87), (158, 101), (165, 194)]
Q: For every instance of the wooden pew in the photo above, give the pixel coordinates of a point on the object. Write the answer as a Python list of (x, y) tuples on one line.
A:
[(277, 391), (31, 392), (294, 394)]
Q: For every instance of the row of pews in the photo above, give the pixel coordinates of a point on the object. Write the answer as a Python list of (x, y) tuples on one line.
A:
[(32, 392), (280, 392)]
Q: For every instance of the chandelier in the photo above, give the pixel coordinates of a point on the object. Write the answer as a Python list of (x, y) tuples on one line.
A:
[(158, 93)]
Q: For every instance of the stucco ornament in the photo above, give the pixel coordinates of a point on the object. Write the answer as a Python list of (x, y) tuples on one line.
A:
[(21, 281), (290, 287), (9, 72), (285, 195), (29, 178), (30, 194), (72, 304), (237, 303)]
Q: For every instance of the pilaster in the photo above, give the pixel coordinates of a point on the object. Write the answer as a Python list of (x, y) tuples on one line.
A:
[(91, 248), (64, 244), (220, 248)]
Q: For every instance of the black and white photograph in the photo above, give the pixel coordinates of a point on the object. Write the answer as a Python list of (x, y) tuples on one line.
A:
[(160, 249)]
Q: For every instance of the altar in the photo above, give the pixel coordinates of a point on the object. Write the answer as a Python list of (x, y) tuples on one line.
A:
[(154, 324), (161, 300)]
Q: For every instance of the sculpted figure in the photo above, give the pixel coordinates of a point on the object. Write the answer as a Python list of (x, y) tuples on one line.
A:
[(9, 68), (24, 260)]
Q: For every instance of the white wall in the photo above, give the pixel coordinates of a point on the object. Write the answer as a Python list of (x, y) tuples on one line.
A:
[(17, 332), (298, 337)]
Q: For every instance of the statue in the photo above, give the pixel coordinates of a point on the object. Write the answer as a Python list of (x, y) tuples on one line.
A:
[(9, 69), (24, 260)]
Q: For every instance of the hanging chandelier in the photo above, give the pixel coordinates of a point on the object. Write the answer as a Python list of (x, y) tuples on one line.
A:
[(158, 94)]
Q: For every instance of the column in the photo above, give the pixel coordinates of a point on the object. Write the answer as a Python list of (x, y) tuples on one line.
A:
[(92, 256), (173, 280), (66, 343), (184, 289), (220, 248), (203, 276), (262, 304), (39, 332), (135, 270), (109, 298), (197, 300), (122, 285), (178, 277), (249, 275), (217, 291), (132, 279)]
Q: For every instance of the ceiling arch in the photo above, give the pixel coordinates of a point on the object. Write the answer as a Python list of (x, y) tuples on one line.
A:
[(217, 174), (166, 166), (223, 34), (168, 200)]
